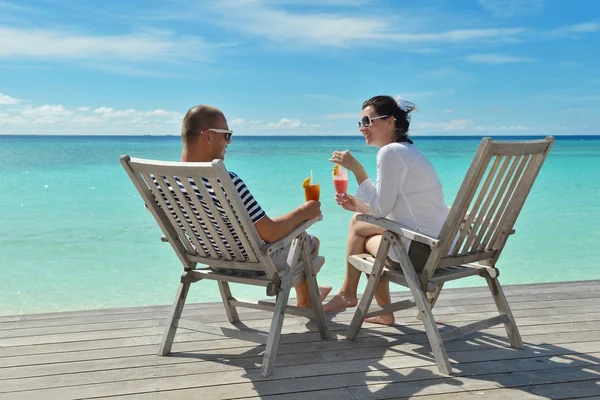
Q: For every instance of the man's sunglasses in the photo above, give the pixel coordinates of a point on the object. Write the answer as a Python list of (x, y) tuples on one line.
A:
[(227, 133), (367, 121)]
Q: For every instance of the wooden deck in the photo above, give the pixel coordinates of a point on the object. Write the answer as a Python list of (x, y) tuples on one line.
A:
[(112, 353)]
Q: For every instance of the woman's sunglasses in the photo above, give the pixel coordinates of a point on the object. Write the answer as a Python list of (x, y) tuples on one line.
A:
[(367, 121), (227, 133)]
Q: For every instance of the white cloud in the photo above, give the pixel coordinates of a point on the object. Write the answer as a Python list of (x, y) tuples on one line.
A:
[(285, 123), (57, 119), (448, 111), (160, 112), (236, 121), (573, 30), (60, 45), (491, 58), (512, 8), (46, 110), (341, 29), (6, 99), (507, 129)]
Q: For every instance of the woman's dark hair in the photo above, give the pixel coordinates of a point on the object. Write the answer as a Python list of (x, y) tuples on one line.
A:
[(386, 105)]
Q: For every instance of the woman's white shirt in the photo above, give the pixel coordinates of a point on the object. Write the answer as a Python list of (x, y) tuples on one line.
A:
[(408, 190)]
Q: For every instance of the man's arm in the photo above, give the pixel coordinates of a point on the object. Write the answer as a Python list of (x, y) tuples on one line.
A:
[(271, 230)]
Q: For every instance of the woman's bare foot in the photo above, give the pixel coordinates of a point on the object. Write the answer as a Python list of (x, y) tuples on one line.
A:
[(340, 302), (385, 319), (324, 291)]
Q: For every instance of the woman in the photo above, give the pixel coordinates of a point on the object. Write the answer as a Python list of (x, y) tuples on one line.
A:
[(407, 191)]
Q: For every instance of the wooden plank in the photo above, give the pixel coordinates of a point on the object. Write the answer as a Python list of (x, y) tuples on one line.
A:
[(129, 336), (476, 295), (388, 382), (83, 323), (474, 327), (322, 363), (237, 333), (591, 289), (525, 317), (561, 344)]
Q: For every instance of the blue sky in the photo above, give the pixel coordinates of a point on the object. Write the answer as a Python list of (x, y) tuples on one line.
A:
[(299, 67)]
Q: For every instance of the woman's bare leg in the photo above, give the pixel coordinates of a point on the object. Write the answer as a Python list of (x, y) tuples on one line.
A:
[(357, 236), (382, 292)]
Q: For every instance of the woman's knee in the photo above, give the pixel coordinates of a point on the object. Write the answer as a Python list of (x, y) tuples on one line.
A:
[(354, 223)]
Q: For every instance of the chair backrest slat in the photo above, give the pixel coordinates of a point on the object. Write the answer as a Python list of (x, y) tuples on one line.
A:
[(234, 221), (459, 210), (209, 222), (161, 218), (473, 220), (509, 217), (161, 196), (502, 200), (251, 240), (194, 229), (202, 226), (489, 201), (494, 196)]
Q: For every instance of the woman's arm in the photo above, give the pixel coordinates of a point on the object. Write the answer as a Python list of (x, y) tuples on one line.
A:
[(382, 196)]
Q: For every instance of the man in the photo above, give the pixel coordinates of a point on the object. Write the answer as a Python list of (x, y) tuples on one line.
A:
[(205, 135)]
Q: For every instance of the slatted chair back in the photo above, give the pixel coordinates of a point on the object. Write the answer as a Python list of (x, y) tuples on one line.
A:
[(201, 213), (488, 203)]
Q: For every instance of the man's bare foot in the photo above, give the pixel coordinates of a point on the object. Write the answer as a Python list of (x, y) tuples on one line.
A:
[(340, 302), (324, 291), (385, 319)]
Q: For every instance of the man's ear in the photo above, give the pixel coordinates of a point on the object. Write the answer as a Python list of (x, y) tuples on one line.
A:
[(206, 135)]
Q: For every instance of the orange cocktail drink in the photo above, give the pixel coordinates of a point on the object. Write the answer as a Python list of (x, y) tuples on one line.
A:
[(312, 191)]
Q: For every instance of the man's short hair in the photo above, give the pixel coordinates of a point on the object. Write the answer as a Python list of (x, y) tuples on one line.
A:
[(197, 119)]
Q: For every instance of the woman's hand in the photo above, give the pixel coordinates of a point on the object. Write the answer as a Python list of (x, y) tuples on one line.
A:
[(350, 203), (345, 159)]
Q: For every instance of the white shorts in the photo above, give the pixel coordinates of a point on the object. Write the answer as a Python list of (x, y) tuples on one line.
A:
[(280, 256)]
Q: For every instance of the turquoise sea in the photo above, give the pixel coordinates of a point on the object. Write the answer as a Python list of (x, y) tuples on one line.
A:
[(74, 234)]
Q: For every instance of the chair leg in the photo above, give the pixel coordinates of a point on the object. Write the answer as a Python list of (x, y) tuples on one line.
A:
[(431, 329), (174, 315), (279, 311), (432, 298), (503, 308), (232, 314), (367, 297), (313, 290)]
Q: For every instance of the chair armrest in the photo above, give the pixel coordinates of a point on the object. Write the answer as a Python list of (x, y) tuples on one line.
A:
[(398, 228), (270, 248)]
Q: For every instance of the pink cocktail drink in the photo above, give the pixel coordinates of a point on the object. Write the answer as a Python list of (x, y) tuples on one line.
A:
[(340, 181), (341, 185)]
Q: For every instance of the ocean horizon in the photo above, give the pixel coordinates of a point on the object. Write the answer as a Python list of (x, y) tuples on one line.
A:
[(74, 233)]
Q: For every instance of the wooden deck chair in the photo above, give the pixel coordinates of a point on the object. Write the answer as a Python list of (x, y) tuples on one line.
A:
[(470, 242), (208, 238)]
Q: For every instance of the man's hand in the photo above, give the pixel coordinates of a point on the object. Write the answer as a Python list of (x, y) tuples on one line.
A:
[(309, 210), (273, 230)]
